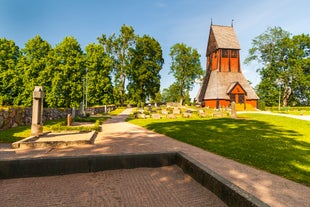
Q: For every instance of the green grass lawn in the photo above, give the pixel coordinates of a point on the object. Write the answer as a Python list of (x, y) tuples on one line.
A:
[(276, 144), (17, 133)]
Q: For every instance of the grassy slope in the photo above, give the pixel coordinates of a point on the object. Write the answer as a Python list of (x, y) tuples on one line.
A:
[(276, 144)]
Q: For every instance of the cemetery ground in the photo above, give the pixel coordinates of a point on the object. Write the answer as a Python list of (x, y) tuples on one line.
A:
[(276, 144), (80, 125), (280, 145), (118, 136)]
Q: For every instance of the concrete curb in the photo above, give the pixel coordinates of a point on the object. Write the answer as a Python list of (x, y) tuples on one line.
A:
[(222, 188)]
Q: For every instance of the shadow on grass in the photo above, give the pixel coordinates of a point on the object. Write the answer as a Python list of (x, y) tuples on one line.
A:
[(14, 134), (257, 143)]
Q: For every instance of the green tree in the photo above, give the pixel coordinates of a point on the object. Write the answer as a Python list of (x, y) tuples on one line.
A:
[(31, 66), (185, 67), (67, 70), (146, 62), (118, 48), (9, 78), (284, 61), (171, 94), (99, 66)]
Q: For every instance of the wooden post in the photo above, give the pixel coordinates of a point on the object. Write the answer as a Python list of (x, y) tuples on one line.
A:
[(69, 120)]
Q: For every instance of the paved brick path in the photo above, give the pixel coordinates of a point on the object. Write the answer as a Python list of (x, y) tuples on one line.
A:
[(165, 186), (118, 136)]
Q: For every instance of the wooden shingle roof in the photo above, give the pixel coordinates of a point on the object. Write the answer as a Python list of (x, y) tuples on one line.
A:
[(222, 37), (220, 83)]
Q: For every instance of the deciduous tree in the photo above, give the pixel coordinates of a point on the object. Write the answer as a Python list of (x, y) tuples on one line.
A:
[(284, 64), (31, 68), (185, 67), (146, 62), (99, 67), (118, 48), (9, 54), (67, 70)]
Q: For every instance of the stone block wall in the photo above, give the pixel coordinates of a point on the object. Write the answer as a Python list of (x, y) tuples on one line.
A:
[(19, 116), (100, 109)]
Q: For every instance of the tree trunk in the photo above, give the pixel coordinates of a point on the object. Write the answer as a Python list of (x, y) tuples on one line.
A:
[(286, 95), (181, 100)]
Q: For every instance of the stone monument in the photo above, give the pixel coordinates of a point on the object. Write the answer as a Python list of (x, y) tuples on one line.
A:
[(233, 110), (37, 111)]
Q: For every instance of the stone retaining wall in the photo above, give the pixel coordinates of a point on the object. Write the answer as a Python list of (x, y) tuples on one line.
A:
[(20, 116), (100, 109)]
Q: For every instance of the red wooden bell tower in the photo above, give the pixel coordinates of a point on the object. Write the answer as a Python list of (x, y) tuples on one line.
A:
[(224, 81)]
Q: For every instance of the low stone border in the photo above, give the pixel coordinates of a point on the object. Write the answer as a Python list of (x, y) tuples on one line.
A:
[(231, 194), (31, 142)]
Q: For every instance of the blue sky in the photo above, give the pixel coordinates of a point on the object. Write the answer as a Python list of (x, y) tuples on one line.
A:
[(168, 21)]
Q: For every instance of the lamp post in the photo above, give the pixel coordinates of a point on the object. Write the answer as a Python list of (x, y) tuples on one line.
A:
[(279, 82)]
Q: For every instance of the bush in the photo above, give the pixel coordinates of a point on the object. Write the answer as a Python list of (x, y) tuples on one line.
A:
[(261, 105)]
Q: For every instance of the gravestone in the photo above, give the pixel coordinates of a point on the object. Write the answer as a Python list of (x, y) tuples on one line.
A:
[(156, 116), (233, 110), (171, 116), (37, 111), (164, 111), (73, 112), (176, 111)]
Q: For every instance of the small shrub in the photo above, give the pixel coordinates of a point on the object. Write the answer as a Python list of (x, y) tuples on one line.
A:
[(261, 105)]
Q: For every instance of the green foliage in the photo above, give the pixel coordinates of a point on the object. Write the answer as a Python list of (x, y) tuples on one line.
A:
[(185, 67), (285, 67), (146, 62), (99, 67), (261, 105), (67, 72), (32, 64), (118, 49), (171, 94), (9, 77), (279, 145)]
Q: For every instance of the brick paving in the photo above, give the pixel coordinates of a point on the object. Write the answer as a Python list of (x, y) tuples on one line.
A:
[(165, 186), (118, 136)]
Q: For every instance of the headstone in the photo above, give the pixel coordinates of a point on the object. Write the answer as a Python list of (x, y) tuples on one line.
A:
[(37, 111), (202, 113), (141, 116), (73, 112), (171, 116), (164, 111), (156, 116), (187, 115), (233, 110), (176, 111)]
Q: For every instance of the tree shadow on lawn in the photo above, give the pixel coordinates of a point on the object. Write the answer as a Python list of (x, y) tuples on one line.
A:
[(272, 148), (14, 134)]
